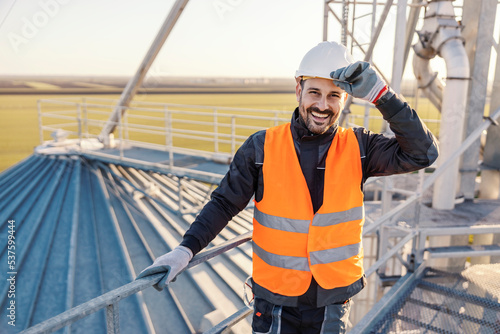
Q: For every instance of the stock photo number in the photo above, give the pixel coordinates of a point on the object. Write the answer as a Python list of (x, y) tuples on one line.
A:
[(11, 273)]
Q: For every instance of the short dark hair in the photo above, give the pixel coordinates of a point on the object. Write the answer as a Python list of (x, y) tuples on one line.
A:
[(302, 83)]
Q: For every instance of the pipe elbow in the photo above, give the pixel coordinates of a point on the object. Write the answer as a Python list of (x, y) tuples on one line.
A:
[(422, 71), (457, 61)]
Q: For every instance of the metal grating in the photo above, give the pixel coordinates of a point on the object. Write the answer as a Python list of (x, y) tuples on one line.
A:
[(448, 302)]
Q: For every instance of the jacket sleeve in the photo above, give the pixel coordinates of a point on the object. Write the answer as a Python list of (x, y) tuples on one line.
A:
[(231, 196), (413, 147)]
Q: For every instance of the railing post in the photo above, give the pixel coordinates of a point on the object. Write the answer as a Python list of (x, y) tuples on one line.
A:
[(120, 130), (166, 125), (216, 130), (79, 120), (85, 118), (366, 119), (387, 187), (125, 122), (275, 118), (170, 138), (418, 205), (233, 135), (112, 319), (40, 127), (179, 188)]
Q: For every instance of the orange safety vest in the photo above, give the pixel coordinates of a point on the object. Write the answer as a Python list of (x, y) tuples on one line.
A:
[(291, 244)]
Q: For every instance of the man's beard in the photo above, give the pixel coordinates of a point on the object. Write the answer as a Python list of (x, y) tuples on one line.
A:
[(310, 124)]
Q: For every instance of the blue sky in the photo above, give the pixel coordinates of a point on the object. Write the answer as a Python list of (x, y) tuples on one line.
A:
[(213, 38)]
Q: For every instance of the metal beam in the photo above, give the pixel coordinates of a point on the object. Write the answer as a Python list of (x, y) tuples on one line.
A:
[(345, 18), (479, 21), (398, 63), (411, 26), (136, 81), (490, 175), (112, 319), (463, 251), (326, 7)]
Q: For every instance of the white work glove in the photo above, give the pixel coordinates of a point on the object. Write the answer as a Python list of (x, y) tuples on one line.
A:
[(360, 80), (170, 263)]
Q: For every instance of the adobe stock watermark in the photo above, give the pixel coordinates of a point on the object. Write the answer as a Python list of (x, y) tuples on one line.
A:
[(222, 7), (11, 273), (32, 25)]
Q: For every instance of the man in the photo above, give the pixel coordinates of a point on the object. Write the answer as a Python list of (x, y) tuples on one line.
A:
[(307, 177)]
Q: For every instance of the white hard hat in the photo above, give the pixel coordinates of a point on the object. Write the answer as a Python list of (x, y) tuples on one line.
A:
[(323, 59)]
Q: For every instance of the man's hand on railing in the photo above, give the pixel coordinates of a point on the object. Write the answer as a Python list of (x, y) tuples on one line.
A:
[(171, 263)]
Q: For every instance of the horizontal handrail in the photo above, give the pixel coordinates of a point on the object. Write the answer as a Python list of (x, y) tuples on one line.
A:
[(70, 316), (159, 104)]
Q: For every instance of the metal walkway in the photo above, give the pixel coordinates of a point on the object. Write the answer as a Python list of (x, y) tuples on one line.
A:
[(84, 227), (437, 301)]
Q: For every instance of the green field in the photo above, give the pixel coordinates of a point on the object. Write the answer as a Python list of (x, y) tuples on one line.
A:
[(19, 132)]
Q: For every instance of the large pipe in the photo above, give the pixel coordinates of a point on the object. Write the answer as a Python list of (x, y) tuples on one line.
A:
[(452, 120), (440, 35), (428, 81)]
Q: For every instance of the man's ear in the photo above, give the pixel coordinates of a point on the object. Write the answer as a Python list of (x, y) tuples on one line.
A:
[(298, 90)]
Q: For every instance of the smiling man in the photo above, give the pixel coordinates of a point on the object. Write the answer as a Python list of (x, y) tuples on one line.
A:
[(307, 177), (320, 104)]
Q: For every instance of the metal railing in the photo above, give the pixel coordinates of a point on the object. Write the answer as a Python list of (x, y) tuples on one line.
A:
[(158, 125), (110, 300)]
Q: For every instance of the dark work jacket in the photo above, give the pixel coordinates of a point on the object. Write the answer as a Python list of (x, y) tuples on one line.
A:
[(413, 147)]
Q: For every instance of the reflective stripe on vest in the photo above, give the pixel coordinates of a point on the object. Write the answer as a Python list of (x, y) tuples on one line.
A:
[(291, 243)]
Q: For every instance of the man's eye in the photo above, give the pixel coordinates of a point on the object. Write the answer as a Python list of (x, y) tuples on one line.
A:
[(314, 92)]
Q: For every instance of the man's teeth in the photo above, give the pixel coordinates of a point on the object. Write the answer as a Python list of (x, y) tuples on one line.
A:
[(315, 114)]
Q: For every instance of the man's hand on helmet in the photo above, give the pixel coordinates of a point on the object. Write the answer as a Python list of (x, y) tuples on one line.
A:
[(360, 80)]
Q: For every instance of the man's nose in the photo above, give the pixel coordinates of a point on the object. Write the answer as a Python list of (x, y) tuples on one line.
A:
[(321, 104)]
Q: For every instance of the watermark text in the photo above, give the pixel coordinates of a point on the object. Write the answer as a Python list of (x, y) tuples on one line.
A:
[(11, 273)]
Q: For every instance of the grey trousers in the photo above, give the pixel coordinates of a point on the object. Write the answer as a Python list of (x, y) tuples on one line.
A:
[(276, 319)]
